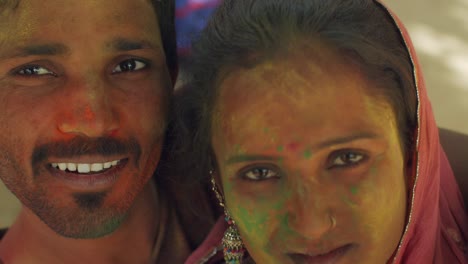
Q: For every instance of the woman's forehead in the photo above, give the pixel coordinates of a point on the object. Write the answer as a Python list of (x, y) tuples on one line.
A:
[(293, 79), (303, 99)]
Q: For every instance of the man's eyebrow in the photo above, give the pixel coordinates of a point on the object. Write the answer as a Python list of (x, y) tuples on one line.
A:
[(122, 44), (244, 158), (39, 50)]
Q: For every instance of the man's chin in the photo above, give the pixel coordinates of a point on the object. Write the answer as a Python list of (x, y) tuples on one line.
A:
[(83, 223), (88, 228), (93, 232)]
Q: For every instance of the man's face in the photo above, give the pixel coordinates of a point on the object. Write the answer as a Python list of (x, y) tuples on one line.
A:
[(83, 98)]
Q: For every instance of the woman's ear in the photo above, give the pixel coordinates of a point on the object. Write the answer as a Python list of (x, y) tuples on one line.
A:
[(215, 175), (410, 169), (215, 172)]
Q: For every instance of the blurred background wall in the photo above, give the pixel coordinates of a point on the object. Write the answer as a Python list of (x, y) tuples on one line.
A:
[(439, 29)]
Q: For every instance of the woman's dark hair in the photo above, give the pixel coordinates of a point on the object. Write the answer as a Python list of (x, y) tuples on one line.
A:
[(361, 31), (165, 10)]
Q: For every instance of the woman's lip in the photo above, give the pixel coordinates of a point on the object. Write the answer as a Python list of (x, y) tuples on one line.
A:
[(89, 182), (333, 256)]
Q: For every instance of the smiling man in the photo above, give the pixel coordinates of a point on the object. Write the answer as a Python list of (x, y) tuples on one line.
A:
[(84, 91)]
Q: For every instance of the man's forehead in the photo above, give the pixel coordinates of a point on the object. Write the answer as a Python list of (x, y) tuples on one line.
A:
[(28, 29), (35, 16)]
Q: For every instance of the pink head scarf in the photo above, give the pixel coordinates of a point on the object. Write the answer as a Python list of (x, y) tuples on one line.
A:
[(437, 225)]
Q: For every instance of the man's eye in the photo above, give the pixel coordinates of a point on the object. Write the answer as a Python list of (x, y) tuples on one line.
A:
[(348, 158), (259, 174), (130, 65), (34, 70)]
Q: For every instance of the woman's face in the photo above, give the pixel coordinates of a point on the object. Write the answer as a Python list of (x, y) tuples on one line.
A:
[(310, 163)]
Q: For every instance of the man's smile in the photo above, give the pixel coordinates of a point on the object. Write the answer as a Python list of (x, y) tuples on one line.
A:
[(88, 175), (85, 167)]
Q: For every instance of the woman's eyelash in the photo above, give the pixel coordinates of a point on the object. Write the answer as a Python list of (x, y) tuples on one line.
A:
[(259, 173), (348, 158)]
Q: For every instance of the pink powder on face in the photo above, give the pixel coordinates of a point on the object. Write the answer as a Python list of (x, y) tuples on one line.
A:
[(293, 146), (89, 114)]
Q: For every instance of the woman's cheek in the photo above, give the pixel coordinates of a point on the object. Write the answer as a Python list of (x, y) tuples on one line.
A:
[(258, 218)]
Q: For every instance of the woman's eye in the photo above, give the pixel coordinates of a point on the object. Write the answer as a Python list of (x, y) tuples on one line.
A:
[(347, 159), (34, 70), (130, 65), (259, 174)]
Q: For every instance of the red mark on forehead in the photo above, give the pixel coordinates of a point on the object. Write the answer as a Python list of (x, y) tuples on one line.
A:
[(293, 146), (89, 114)]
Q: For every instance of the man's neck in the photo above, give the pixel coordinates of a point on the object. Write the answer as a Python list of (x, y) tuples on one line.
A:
[(29, 240)]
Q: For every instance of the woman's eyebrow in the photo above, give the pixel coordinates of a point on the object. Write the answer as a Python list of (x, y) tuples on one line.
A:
[(346, 139), (321, 145), (245, 158)]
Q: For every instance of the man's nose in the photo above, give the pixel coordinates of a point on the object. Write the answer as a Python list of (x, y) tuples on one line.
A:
[(87, 108)]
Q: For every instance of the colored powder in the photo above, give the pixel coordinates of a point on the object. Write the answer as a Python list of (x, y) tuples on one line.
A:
[(89, 114), (237, 148), (280, 148), (293, 146), (252, 222), (354, 190), (348, 201), (307, 154)]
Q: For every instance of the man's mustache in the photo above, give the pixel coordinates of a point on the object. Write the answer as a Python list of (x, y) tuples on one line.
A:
[(84, 146)]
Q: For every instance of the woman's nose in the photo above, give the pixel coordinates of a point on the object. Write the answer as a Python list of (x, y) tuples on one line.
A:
[(309, 214)]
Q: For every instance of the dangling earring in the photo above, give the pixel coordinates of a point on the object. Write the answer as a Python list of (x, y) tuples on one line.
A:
[(232, 242)]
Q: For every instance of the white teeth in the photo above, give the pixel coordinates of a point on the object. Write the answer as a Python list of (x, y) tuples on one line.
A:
[(71, 166), (85, 167), (97, 167)]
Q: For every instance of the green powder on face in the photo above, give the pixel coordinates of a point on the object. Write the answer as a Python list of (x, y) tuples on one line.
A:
[(253, 222), (347, 201), (237, 148), (307, 154), (266, 130), (354, 190), (280, 148)]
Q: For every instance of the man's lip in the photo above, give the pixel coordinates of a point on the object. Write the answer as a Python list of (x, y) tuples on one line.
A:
[(330, 257), (88, 181)]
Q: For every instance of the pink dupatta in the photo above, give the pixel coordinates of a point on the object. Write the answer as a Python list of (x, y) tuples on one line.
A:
[(437, 224)]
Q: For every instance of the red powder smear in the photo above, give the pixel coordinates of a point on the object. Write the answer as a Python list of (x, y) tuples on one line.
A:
[(293, 146), (89, 114)]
